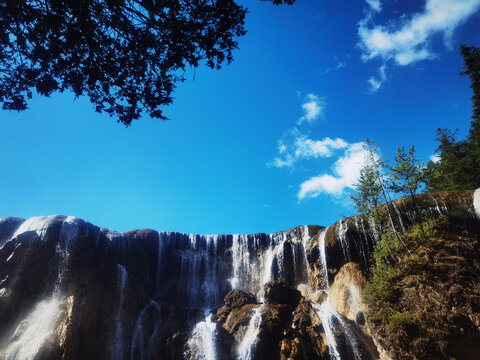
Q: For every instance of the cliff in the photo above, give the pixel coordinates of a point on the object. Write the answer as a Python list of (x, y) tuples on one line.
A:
[(72, 290)]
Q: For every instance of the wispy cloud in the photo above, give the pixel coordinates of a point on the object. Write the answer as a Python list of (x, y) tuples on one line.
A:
[(313, 108), (295, 146), (346, 171), (435, 158), (339, 65), (376, 82), (408, 40), (375, 5)]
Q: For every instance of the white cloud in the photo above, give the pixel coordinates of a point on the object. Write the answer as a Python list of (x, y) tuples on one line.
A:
[(313, 108), (340, 65), (346, 172), (407, 41), (295, 146), (375, 5), (435, 158), (375, 82)]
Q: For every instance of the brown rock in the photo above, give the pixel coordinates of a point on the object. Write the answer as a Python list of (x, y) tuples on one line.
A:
[(277, 292), (347, 290), (238, 298)]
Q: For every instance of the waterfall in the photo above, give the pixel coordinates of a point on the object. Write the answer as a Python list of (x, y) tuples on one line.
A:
[(323, 256), (325, 313), (399, 216), (476, 201), (373, 227), (34, 330), (40, 323), (245, 348), (440, 210), (144, 333), (116, 350), (191, 271), (201, 345), (328, 314), (305, 242), (342, 229), (352, 342), (363, 244), (38, 224)]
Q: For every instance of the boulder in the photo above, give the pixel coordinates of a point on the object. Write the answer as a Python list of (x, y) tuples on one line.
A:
[(277, 292), (238, 298), (347, 290)]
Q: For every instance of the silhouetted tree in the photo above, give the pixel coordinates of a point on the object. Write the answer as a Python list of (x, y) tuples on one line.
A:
[(125, 55)]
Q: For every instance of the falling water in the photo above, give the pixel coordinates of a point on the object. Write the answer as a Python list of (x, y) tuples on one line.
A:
[(327, 313), (141, 346), (399, 216), (439, 209), (117, 343), (363, 244), (476, 201), (202, 342), (245, 348), (33, 330), (352, 342), (38, 224), (342, 229), (305, 242), (323, 256), (240, 258), (373, 229)]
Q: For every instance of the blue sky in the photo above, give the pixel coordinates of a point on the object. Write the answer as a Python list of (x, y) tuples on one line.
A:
[(267, 143)]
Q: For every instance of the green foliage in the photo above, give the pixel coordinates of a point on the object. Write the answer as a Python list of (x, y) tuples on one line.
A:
[(379, 289), (406, 175), (423, 231), (471, 66), (456, 169), (368, 190), (458, 166)]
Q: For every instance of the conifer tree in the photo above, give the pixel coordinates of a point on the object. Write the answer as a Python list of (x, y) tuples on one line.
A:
[(406, 175), (458, 167)]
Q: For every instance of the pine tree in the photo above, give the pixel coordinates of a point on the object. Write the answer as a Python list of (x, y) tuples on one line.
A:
[(458, 168), (406, 175)]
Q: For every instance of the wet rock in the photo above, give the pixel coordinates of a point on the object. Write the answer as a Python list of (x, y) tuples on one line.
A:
[(347, 290), (277, 292), (238, 298)]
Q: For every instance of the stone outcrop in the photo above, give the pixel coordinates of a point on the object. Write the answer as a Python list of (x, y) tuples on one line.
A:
[(238, 298), (277, 292), (347, 290)]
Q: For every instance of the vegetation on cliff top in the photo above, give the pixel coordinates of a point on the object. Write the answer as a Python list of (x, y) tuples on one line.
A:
[(423, 291), (425, 302)]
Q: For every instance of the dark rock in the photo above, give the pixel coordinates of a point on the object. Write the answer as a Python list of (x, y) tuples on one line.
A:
[(360, 318), (238, 298), (277, 292)]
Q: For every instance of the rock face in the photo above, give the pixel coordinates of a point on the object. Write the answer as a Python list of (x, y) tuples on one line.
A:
[(72, 290), (347, 290), (277, 292), (238, 298)]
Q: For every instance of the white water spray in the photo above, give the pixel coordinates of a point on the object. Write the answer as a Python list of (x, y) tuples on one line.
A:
[(202, 342), (245, 349), (476, 201), (116, 351), (33, 330)]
